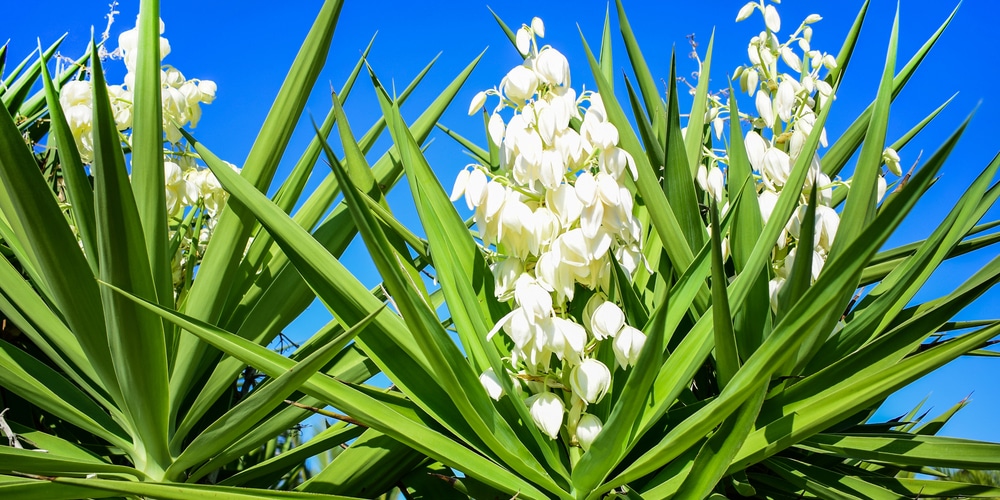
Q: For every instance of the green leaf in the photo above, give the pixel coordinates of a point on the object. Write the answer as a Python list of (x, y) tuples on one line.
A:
[(53, 251), (446, 361), (249, 412), (79, 192), (727, 359), (147, 153), (41, 463), (651, 96), (34, 381), (905, 449), (135, 336), (363, 407), (859, 209)]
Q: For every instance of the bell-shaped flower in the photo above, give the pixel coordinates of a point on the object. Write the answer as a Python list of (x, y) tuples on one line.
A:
[(587, 430), (774, 288), (590, 380), (615, 160), (776, 166), (461, 181), (771, 19), (562, 337), (491, 383), (827, 223), (766, 201), (475, 188), (546, 411), (532, 297), (627, 345), (880, 190), (784, 100), (495, 127), (563, 201), (519, 84), (765, 109), (552, 67), (555, 276), (756, 146), (606, 320), (505, 275)]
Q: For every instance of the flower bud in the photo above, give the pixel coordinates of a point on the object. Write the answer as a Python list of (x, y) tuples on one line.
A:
[(587, 430), (746, 11), (891, 159), (812, 18), (478, 101), (771, 19), (547, 412), (538, 27)]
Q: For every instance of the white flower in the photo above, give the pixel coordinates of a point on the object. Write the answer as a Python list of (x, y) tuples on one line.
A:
[(764, 108), (491, 383), (774, 288), (587, 430), (880, 191), (771, 19), (505, 274), (519, 84), (552, 67), (715, 184), (756, 147), (776, 166), (812, 18), (766, 200), (627, 345), (784, 101), (461, 181), (590, 380), (547, 411), (532, 297), (606, 320)]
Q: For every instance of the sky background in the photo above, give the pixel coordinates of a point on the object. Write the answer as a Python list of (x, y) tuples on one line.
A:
[(247, 48)]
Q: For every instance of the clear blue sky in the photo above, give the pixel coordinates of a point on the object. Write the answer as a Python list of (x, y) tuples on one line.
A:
[(246, 48)]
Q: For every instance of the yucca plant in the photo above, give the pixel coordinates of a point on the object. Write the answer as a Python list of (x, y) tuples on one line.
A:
[(649, 313)]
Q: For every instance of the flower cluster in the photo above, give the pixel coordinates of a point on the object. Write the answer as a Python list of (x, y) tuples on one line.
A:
[(786, 108), (189, 186), (557, 211)]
